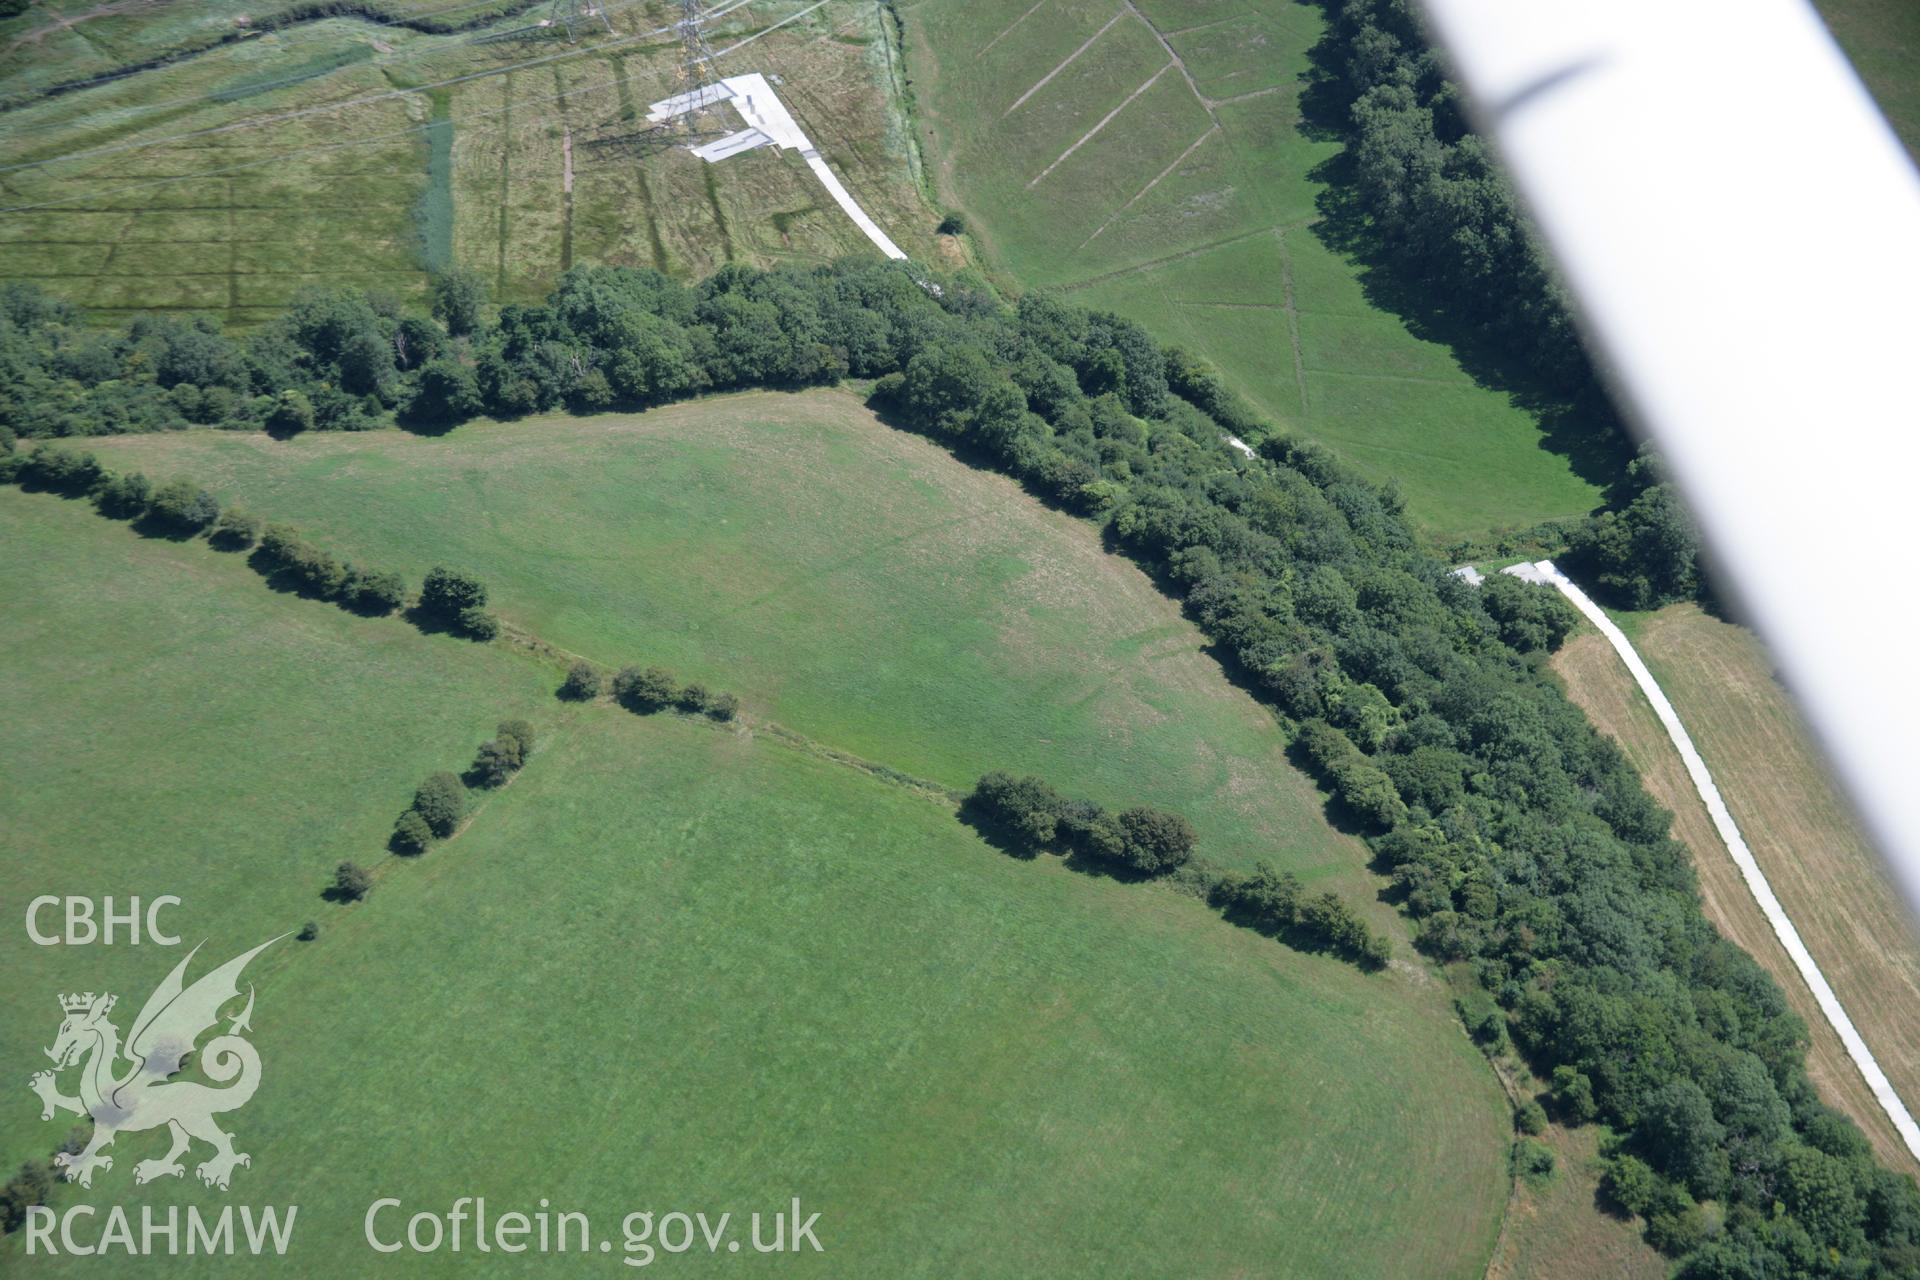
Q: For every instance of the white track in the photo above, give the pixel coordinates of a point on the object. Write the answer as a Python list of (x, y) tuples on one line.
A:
[(1545, 571), (769, 123)]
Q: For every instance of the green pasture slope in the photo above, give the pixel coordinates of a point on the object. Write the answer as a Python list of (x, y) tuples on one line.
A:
[(1163, 172), (679, 966), (1882, 38), (848, 580)]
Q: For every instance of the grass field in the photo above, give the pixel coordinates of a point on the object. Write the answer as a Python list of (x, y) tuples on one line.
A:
[(227, 180), (1882, 38), (897, 605), (1556, 1228), (1819, 863), (1191, 207), (681, 966)]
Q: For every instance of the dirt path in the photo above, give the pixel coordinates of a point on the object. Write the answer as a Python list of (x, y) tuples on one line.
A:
[(1883, 1091)]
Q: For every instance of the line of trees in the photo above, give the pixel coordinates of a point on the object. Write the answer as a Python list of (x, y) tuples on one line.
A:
[(1519, 840), (645, 690), (450, 599), (1029, 814)]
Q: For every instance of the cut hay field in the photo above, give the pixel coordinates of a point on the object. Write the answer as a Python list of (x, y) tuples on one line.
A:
[(1805, 839), (896, 604), (337, 152), (1150, 157), (679, 966)]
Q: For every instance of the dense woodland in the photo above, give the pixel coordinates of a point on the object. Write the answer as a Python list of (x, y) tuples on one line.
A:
[(1519, 841)]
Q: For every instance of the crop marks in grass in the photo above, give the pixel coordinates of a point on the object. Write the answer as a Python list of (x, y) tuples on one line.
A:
[(1189, 208)]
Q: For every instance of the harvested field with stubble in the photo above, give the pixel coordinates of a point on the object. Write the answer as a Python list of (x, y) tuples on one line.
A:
[(225, 181), (1820, 864), (1151, 158)]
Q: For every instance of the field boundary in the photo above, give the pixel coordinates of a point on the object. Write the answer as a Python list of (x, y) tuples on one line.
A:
[(1545, 571)]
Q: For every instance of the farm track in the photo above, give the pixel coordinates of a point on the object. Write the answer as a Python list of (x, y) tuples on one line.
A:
[(1756, 881)]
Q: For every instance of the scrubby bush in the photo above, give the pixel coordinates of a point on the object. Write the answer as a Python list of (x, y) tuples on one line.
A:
[(1530, 1118), (722, 706), (693, 698), (1532, 1160), (582, 683), (351, 881), (441, 801), (309, 931)]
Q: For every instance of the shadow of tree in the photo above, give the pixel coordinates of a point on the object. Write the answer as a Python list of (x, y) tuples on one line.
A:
[(1577, 419)]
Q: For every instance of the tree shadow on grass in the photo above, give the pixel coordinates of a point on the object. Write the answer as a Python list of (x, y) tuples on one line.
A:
[(1576, 418)]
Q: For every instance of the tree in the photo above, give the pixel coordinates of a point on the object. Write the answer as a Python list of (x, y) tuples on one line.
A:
[(441, 801), (376, 592), (351, 881), (309, 931), (479, 624), (496, 762), (1025, 807), (582, 683), (458, 298), (1679, 1135), (291, 414), (124, 497), (449, 593), (1157, 841), (953, 224), (411, 834), (445, 390), (500, 757), (518, 732), (1573, 1094), (235, 530), (29, 1187), (649, 690), (722, 706), (693, 698), (183, 505)]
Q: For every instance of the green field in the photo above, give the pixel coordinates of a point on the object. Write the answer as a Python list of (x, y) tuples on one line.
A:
[(1882, 39), (336, 152), (681, 966), (898, 605), (1192, 209)]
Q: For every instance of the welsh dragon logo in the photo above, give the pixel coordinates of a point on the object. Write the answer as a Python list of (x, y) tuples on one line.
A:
[(124, 1087)]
